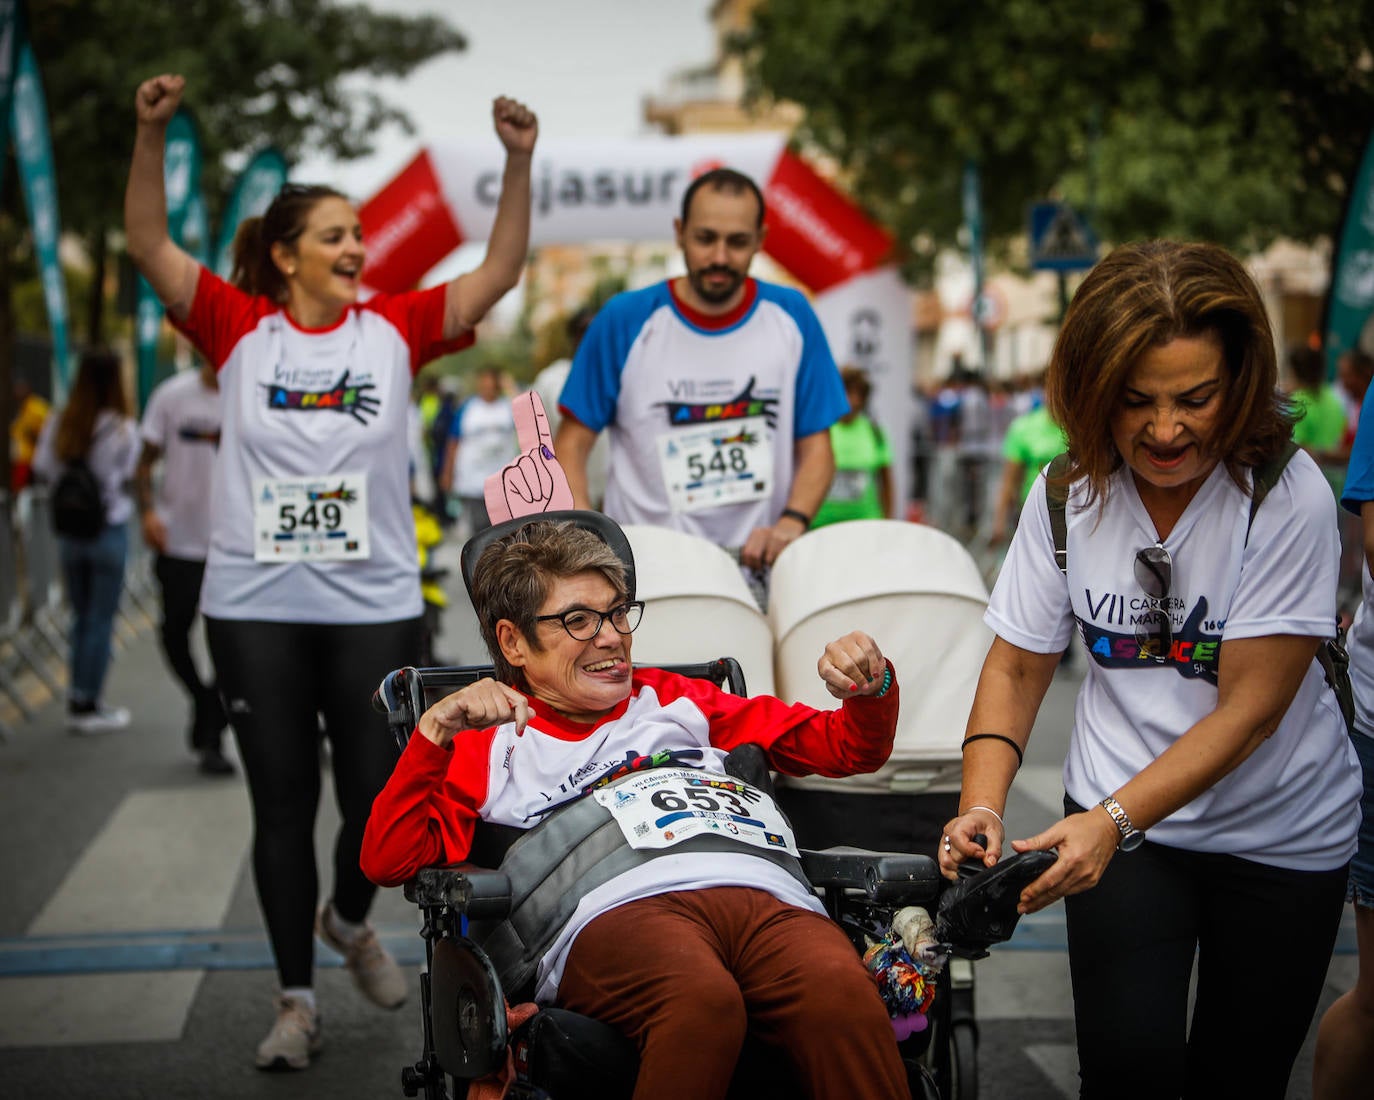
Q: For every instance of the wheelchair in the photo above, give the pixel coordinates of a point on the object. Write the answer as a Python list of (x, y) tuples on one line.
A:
[(559, 1055)]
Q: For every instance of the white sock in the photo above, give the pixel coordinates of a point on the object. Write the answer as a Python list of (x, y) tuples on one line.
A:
[(343, 929), (301, 994)]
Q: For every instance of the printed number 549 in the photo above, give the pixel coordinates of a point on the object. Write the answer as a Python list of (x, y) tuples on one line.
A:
[(313, 518)]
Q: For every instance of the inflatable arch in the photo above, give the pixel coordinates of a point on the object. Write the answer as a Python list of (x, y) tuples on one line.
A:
[(632, 190)]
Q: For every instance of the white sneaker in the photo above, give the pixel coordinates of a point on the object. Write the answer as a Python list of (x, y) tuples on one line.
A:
[(374, 970), (101, 720), (293, 1038)]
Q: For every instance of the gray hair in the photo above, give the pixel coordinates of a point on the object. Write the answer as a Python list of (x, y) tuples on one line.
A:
[(515, 574)]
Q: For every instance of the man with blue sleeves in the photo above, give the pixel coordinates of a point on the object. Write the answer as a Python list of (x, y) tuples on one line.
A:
[(717, 391)]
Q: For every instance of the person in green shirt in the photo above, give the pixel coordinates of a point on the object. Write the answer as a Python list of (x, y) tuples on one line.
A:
[(862, 486), (1321, 420), (1320, 428), (1032, 439)]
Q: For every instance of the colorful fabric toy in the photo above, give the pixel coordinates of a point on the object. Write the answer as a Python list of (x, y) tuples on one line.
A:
[(905, 963)]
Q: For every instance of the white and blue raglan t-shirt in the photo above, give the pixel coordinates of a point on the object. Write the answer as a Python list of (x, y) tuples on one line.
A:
[(703, 412)]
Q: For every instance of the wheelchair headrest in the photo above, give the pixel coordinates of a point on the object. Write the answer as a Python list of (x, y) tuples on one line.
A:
[(598, 523)]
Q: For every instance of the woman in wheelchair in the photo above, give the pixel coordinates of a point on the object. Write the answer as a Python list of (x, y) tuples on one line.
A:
[(702, 938)]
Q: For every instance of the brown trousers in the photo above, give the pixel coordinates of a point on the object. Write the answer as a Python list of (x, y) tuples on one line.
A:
[(686, 974)]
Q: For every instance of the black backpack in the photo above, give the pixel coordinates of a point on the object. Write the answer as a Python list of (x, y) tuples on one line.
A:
[(78, 512), (1331, 655)]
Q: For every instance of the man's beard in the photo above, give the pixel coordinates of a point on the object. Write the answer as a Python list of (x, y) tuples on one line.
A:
[(716, 294)]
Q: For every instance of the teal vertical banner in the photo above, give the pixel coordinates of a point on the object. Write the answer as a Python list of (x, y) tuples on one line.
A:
[(38, 179), (1350, 299), (11, 34), (194, 233), (972, 199), (254, 190), (181, 181), (971, 194)]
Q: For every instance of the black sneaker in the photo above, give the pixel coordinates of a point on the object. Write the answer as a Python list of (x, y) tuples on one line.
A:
[(214, 762)]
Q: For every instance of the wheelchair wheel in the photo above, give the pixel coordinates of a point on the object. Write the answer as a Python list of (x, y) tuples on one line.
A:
[(952, 1057), (963, 1062), (921, 1083)]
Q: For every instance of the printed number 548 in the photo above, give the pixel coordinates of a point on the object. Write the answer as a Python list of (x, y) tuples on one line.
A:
[(721, 462)]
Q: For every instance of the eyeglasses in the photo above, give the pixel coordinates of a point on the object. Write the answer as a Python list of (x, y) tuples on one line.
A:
[(1154, 572), (584, 624)]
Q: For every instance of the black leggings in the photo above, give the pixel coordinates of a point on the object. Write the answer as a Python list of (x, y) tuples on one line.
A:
[(277, 680), (1263, 938), (179, 579)]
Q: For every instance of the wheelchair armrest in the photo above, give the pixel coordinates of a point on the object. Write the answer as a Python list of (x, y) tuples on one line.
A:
[(885, 877), (476, 892)]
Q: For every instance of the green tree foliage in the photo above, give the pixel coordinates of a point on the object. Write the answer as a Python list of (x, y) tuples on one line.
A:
[(258, 72), (1235, 121)]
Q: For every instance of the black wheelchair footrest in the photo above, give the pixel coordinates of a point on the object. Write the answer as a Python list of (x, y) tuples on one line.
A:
[(475, 891), (885, 877), (576, 1057)]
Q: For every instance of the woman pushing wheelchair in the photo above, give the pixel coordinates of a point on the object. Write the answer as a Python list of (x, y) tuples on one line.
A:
[(704, 936)]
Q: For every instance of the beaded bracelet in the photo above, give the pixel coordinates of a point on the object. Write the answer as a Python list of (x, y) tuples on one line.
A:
[(887, 682)]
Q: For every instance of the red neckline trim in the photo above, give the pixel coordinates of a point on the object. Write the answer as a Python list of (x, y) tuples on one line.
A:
[(715, 320), (323, 328), (565, 729)]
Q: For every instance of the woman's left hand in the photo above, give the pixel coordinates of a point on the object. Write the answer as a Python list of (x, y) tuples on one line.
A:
[(1085, 842), (516, 125), (852, 665)]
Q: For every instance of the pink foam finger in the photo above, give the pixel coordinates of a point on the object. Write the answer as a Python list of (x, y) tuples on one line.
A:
[(534, 482), (531, 423), (494, 492)]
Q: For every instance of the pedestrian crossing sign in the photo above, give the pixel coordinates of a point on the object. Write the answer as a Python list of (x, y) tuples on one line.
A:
[(1059, 239)]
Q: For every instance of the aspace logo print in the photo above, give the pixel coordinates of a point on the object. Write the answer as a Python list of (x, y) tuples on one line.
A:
[(745, 404), (194, 431), (343, 397), (1193, 654)]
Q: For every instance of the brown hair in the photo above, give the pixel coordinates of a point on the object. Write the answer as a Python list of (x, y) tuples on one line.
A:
[(515, 574), (856, 378), (284, 221), (99, 385), (1308, 367), (728, 181), (1143, 296)]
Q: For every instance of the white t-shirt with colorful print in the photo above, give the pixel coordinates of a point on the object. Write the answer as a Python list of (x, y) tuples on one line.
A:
[(298, 405), (182, 420), (1295, 801)]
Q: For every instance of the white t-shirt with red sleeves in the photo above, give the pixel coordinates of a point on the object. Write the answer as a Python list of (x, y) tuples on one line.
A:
[(426, 813), (301, 404), (182, 421)]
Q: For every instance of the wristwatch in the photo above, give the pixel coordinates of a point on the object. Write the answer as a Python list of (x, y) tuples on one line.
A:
[(1131, 837)]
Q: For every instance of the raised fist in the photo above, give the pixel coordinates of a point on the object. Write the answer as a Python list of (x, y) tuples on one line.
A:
[(157, 99), (516, 124)]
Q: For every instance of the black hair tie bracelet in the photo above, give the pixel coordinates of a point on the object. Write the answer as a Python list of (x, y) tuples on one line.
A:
[(1020, 756)]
